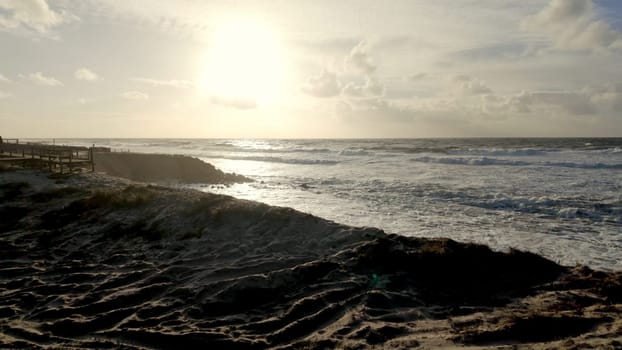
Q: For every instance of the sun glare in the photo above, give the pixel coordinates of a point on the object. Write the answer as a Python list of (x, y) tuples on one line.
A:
[(244, 61)]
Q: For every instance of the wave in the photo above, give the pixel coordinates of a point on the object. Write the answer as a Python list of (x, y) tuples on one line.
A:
[(284, 150), (470, 161), (594, 210), (525, 152), (268, 159), (238, 149), (582, 165), (411, 150), (482, 161), (353, 152)]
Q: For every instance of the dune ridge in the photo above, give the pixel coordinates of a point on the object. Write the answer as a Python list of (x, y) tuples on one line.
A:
[(98, 262), (151, 167)]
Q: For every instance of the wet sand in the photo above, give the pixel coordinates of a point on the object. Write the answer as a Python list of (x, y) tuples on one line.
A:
[(93, 261)]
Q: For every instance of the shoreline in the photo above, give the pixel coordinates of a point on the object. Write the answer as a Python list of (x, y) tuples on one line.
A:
[(96, 261)]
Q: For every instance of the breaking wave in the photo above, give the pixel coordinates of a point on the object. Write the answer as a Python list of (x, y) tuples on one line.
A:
[(500, 152), (269, 159), (469, 161), (481, 161)]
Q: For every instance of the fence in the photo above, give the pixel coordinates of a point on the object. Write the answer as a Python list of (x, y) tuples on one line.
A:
[(54, 158)]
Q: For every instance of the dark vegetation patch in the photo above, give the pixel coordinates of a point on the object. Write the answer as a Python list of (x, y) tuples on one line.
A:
[(49, 195), (130, 197), (86, 208), (448, 271), (163, 167), (11, 215), (12, 190), (140, 228)]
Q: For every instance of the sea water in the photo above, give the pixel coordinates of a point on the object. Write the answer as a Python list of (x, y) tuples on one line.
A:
[(561, 198)]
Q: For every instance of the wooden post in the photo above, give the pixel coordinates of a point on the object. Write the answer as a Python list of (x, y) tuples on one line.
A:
[(91, 158), (70, 168)]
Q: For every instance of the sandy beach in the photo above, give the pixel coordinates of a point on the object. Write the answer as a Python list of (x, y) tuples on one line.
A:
[(95, 261)]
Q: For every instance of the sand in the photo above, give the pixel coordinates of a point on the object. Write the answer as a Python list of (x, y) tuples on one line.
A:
[(93, 261)]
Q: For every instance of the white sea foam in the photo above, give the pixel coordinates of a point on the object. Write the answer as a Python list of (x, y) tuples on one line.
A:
[(469, 161), (500, 152), (353, 152)]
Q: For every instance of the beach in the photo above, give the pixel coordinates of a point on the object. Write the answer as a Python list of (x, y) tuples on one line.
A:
[(96, 261), (311, 174)]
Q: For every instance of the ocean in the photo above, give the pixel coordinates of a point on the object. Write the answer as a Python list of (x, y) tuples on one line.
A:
[(558, 197)]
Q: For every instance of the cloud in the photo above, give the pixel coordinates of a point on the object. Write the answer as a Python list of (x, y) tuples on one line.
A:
[(4, 79), (568, 102), (371, 88), (39, 79), (324, 85), (608, 96), (374, 109), (360, 60), (4, 95), (179, 84), (85, 74), (135, 95), (469, 86), (234, 102), (31, 16), (418, 76), (572, 25), (331, 45)]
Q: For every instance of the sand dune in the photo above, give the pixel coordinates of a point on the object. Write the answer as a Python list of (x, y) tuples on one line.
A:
[(162, 167), (98, 262)]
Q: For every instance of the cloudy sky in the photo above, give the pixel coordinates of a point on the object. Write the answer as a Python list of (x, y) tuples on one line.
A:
[(324, 68)]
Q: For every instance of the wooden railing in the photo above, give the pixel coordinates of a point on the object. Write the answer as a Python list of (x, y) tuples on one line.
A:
[(55, 158)]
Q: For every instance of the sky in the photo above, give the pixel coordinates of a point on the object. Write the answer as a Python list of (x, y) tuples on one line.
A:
[(310, 69)]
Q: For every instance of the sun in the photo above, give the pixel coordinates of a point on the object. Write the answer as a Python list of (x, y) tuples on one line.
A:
[(244, 61)]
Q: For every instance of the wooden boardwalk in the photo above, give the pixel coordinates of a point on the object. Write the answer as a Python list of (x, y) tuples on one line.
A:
[(51, 157)]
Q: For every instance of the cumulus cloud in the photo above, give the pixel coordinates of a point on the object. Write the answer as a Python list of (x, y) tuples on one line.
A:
[(135, 95), (370, 88), (360, 60), (30, 15), (85, 74), (469, 86), (234, 102), (374, 109), (573, 25), (567, 102), (4, 79), (179, 84), (39, 79), (325, 84), (607, 96)]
